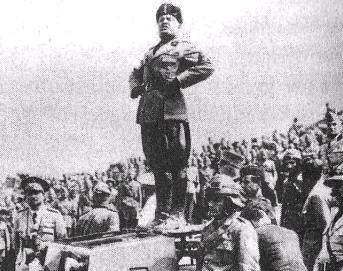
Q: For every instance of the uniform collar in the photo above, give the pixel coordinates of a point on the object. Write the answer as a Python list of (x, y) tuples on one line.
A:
[(164, 48), (228, 222), (103, 205), (39, 211)]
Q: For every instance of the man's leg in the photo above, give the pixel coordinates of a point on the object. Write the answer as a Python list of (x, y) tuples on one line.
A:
[(163, 188)]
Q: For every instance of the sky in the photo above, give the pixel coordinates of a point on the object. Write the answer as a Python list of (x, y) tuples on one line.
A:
[(64, 67)]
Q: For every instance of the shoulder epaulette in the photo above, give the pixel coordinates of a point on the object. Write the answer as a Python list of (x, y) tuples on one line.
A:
[(22, 210), (241, 219), (153, 47), (110, 209), (52, 210)]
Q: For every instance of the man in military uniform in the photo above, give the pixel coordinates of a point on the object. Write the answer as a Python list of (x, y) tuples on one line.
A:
[(230, 242), (167, 68), (331, 152), (36, 225), (293, 197), (101, 218), (279, 247), (251, 180), (331, 255)]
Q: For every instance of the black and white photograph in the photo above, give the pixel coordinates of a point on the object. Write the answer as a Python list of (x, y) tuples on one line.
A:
[(171, 135)]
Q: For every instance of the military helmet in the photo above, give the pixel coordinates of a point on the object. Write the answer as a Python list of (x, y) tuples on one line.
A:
[(171, 9)]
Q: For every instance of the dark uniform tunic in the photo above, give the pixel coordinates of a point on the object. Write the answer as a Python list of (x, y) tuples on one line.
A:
[(162, 112), (293, 202)]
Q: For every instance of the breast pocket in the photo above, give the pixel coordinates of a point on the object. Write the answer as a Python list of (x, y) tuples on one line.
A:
[(47, 231), (166, 66), (225, 250)]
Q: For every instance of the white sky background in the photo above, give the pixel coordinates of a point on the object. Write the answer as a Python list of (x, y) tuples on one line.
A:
[(64, 66)]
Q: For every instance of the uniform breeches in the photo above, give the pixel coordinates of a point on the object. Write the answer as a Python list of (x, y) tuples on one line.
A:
[(167, 148), (166, 145)]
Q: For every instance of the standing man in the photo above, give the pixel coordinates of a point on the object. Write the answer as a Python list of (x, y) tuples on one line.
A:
[(35, 226), (331, 152), (331, 256), (167, 68), (293, 194)]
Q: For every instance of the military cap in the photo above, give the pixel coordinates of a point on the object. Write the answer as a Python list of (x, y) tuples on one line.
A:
[(232, 159), (171, 9), (331, 116), (292, 154), (223, 185), (35, 184), (102, 188), (253, 170), (335, 175), (110, 180), (4, 211), (309, 154)]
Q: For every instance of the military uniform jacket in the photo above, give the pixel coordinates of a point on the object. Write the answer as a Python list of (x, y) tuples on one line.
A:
[(176, 59), (332, 152), (333, 241), (97, 220), (238, 249), (279, 249), (49, 226)]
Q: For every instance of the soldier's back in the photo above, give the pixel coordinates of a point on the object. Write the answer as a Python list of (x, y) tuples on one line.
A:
[(98, 220), (279, 249)]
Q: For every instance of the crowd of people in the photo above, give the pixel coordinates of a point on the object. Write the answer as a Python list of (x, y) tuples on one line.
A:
[(285, 170)]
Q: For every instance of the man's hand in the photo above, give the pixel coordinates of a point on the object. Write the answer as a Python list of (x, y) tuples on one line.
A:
[(137, 91), (171, 87)]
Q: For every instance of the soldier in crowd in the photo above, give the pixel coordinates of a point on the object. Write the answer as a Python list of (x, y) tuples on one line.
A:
[(62, 204), (6, 246), (101, 218), (316, 217), (334, 142), (35, 226), (192, 189), (114, 193), (129, 200), (311, 171), (268, 165), (293, 195), (170, 66), (279, 247), (251, 180), (230, 242), (205, 176), (331, 255)]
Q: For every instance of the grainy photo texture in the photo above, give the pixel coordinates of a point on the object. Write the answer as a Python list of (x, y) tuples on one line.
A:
[(171, 135)]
